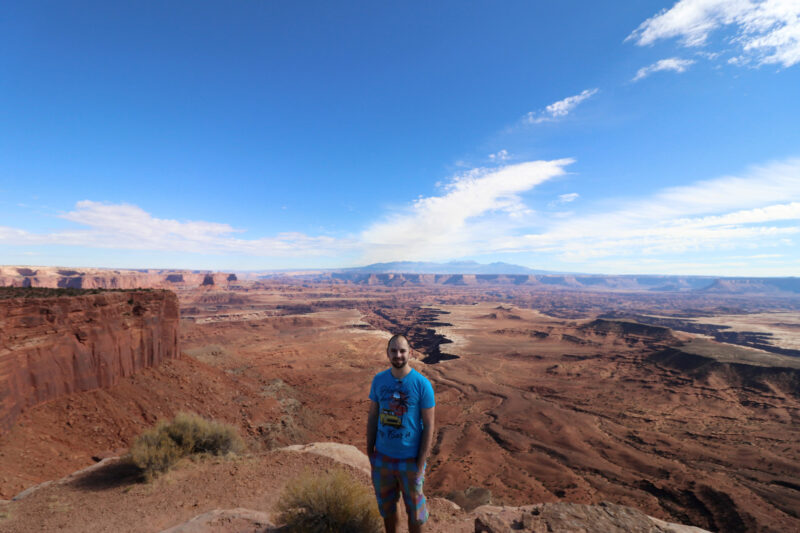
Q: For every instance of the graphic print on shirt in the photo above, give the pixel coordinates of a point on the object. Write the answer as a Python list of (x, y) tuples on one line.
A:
[(397, 401)]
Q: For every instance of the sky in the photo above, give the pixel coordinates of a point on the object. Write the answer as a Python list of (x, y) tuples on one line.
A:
[(625, 137)]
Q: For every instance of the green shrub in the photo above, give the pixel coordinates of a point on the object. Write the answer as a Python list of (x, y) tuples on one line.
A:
[(331, 503), (157, 449)]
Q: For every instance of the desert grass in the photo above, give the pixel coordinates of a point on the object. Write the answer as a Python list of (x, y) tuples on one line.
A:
[(334, 502), (158, 449)]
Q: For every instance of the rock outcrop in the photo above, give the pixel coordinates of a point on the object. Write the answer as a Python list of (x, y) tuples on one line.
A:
[(544, 517), (101, 278), (53, 346), (344, 453), (227, 520)]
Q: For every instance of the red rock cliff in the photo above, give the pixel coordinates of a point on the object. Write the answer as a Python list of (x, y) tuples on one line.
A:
[(54, 346)]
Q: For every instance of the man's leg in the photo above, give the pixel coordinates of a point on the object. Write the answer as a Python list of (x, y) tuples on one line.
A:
[(414, 499), (390, 522), (413, 527), (387, 489)]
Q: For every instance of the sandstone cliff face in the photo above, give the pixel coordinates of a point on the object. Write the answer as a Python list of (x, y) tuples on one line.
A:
[(50, 347), (98, 278)]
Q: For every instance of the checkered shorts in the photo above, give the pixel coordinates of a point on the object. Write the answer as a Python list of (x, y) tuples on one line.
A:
[(392, 476)]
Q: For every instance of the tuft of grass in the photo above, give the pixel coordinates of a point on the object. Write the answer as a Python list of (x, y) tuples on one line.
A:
[(332, 503), (157, 449)]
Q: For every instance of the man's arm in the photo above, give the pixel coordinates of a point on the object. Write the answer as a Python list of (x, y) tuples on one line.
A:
[(372, 426), (426, 440)]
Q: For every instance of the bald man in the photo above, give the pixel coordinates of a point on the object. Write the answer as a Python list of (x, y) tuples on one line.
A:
[(399, 436)]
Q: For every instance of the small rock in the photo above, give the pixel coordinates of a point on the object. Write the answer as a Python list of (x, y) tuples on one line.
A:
[(226, 521)]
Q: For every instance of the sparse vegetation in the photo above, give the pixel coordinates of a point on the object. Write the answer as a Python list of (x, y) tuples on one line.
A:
[(157, 449), (210, 353), (295, 418), (333, 503)]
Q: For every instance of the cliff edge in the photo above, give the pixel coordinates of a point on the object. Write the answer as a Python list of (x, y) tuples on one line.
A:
[(53, 346)]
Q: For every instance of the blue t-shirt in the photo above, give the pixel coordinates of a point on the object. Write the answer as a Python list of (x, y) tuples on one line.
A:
[(399, 420)]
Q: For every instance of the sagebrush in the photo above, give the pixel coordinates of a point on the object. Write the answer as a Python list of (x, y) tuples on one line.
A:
[(157, 449), (330, 503)]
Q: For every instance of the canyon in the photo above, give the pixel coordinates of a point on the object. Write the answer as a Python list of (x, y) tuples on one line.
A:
[(387, 274), (681, 404), (54, 346)]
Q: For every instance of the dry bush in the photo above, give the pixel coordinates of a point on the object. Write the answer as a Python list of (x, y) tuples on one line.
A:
[(331, 503), (157, 449)]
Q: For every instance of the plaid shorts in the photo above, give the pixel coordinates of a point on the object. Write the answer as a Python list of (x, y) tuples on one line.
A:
[(392, 476)]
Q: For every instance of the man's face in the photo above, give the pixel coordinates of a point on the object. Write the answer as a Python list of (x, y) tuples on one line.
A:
[(398, 352)]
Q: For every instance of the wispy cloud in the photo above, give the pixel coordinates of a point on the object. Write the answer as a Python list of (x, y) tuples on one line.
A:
[(128, 227), (562, 200), (569, 197), (766, 31), (673, 63), (759, 209), (559, 109), (487, 211), (475, 208), (502, 155), (483, 213)]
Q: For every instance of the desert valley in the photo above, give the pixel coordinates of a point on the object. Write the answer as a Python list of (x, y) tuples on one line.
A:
[(678, 398)]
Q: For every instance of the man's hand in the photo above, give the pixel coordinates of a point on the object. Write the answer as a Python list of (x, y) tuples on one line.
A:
[(372, 429), (426, 440)]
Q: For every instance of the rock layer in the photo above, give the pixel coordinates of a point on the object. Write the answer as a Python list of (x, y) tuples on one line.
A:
[(50, 347), (101, 278)]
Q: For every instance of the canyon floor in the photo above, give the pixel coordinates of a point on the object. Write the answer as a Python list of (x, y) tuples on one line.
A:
[(542, 396)]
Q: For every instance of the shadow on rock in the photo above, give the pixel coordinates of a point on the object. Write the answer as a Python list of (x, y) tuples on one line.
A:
[(108, 475), (438, 357)]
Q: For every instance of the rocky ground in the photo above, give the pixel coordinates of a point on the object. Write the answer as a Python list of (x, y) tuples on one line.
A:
[(238, 494)]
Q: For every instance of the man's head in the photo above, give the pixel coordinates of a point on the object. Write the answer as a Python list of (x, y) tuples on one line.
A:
[(398, 351)]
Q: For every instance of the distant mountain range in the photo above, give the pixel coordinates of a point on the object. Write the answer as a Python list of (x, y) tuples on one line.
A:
[(471, 273), (453, 267)]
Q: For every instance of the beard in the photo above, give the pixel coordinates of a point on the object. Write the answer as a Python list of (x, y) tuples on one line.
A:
[(399, 364)]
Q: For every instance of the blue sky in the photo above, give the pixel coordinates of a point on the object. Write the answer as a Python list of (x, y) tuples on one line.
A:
[(630, 137)]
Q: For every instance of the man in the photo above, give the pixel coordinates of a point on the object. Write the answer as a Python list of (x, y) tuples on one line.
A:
[(399, 436)]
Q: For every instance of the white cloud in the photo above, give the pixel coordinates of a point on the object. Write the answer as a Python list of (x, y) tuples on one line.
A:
[(752, 211), (561, 200), (476, 208), (128, 227), (766, 31), (502, 155), (559, 109), (569, 197), (673, 63), (486, 211)]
